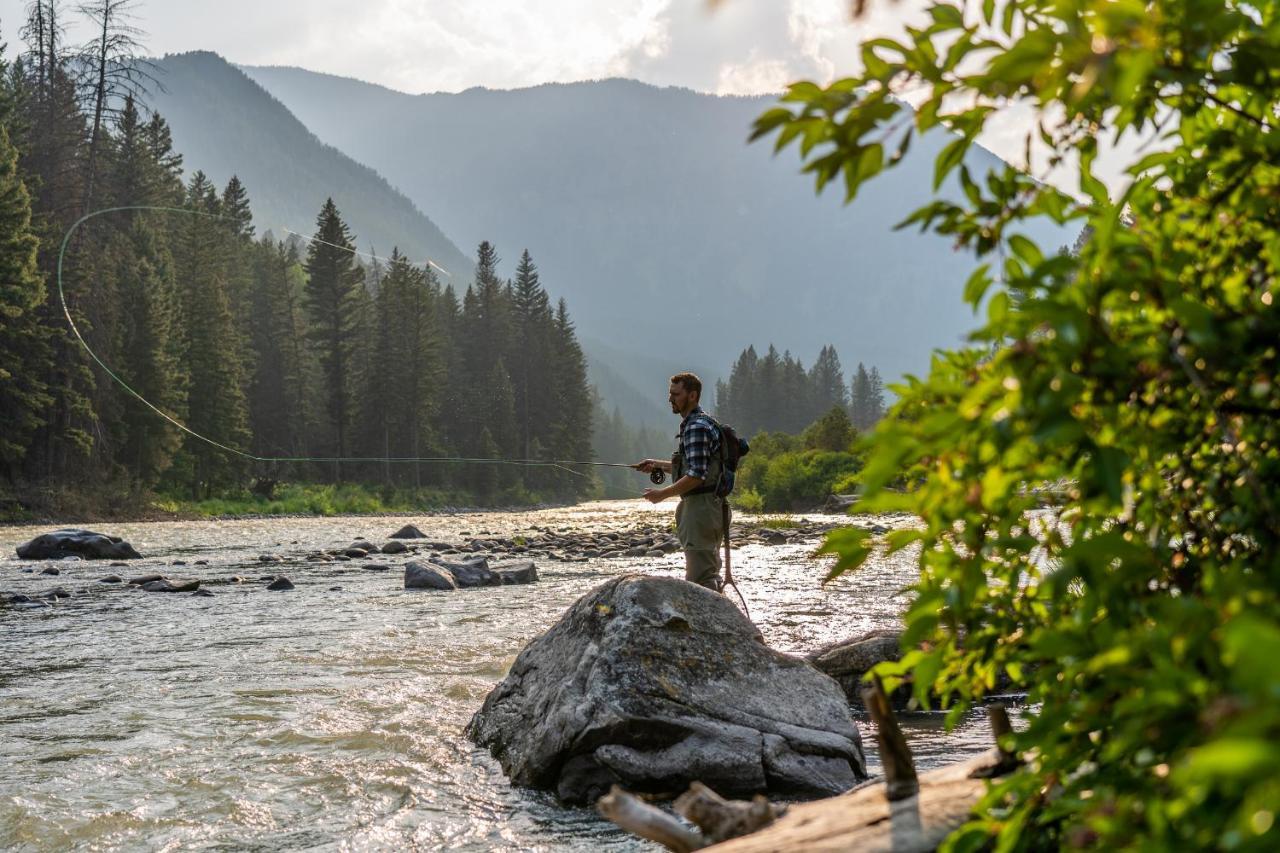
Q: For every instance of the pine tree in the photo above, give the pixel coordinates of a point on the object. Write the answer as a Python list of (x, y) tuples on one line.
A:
[(332, 282), (877, 396), (861, 402), (572, 436), (534, 326), (148, 358), (216, 403), (826, 378), (24, 347)]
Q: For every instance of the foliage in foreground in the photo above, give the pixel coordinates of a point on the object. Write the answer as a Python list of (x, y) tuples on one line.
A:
[(1140, 612)]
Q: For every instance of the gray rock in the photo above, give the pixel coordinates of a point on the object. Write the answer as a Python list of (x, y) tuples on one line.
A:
[(522, 571), (376, 567), (655, 552), (280, 583), (56, 593), (839, 503), (166, 585), (470, 573), (24, 602), (419, 575), (355, 553), (51, 570), (204, 593), (75, 542), (366, 546), (395, 547), (849, 660), (139, 581), (408, 532), (652, 683), (111, 579), (335, 589)]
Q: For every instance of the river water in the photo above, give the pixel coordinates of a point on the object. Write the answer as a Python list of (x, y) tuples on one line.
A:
[(323, 718)]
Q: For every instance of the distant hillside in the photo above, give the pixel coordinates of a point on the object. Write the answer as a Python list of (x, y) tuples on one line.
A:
[(672, 239), (224, 123)]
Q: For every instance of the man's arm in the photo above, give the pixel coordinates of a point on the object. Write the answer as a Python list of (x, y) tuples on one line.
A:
[(685, 484), (650, 465)]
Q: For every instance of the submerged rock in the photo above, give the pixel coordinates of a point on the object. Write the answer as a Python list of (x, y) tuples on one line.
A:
[(419, 575), (167, 585), (70, 542), (409, 531), (653, 683), (280, 583)]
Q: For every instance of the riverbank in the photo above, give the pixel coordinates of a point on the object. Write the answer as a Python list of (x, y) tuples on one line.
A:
[(89, 505)]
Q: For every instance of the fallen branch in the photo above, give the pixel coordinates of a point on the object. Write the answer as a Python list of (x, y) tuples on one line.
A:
[(721, 819), (639, 818)]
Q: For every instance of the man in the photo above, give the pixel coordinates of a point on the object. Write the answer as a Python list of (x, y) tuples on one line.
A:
[(695, 472)]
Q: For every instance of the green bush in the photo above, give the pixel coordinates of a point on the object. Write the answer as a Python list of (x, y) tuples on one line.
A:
[(747, 500)]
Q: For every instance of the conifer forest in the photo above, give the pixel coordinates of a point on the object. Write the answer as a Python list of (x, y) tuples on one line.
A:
[(265, 348)]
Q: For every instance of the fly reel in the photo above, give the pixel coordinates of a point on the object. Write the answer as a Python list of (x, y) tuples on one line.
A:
[(657, 476)]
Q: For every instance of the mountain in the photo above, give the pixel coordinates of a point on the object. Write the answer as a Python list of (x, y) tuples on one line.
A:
[(224, 123), (671, 238)]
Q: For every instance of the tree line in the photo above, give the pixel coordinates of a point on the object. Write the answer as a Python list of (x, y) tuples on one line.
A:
[(776, 394), (289, 348)]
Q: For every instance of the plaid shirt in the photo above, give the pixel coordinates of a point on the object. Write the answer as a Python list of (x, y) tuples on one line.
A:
[(698, 440)]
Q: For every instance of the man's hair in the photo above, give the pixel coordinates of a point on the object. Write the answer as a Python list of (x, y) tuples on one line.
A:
[(690, 382)]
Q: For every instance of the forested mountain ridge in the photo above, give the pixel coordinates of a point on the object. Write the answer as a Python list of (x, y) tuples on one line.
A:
[(227, 124), (666, 230)]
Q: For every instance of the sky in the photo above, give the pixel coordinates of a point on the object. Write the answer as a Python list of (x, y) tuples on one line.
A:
[(731, 47)]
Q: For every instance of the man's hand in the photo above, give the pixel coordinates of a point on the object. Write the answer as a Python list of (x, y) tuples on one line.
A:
[(655, 496), (648, 466)]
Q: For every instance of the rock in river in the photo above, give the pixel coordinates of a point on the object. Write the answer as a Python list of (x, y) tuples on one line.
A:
[(74, 542), (520, 571), (653, 683), (167, 585), (468, 573), (408, 532), (280, 583), (849, 660), (418, 575)]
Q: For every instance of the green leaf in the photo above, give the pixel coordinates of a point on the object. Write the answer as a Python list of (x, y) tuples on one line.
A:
[(851, 547), (950, 157), (976, 287)]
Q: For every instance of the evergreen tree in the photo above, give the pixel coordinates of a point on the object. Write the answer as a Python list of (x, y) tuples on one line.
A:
[(333, 282), (148, 358), (876, 409), (534, 326), (826, 378), (24, 348), (861, 400), (572, 434), (216, 403)]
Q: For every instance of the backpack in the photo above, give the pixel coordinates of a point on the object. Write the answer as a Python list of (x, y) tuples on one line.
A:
[(732, 449)]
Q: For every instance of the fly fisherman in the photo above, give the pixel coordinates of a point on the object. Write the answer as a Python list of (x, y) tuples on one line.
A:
[(696, 469)]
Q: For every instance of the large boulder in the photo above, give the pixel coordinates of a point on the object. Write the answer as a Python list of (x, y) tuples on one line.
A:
[(654, 683), (80, 543), (409, 531)]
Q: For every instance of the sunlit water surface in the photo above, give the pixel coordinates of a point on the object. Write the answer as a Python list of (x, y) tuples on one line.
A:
[(330, 718)]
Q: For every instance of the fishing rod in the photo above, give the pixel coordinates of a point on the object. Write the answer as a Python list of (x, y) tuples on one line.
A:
[(656, 476)]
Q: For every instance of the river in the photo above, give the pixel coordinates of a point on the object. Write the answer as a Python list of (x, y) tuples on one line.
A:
[(324, 718)]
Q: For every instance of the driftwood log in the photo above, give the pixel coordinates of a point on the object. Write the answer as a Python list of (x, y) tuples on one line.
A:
[(910, 813)]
